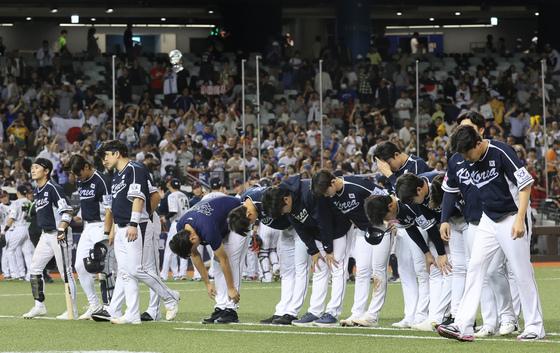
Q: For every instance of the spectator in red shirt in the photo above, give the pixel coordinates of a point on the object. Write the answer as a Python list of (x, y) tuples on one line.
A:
[(156, 78)]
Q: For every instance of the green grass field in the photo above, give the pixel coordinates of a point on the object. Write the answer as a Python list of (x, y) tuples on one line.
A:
[(186, 334)]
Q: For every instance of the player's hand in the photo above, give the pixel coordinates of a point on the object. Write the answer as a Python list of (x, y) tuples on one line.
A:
[(443, 264), (429, 261), (315, 261), (331, 261), (518, 229), (132, 233), (233, 294), (61, 236), (445, 231), (384, 167), (211, 289)]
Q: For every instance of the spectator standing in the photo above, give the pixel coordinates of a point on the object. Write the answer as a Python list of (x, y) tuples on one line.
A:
[(519, 126), (124, 87), (414, 44), (157, 74), (404, 106), (45, 57), (92, 47), (128, 43)]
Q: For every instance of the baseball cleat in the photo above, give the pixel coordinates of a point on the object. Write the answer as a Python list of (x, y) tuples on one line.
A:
[(123, 321), (285, 319), (426, 326), (452, 332), (529, 336), (229, 316), (37, 310), (507, 328), (326, 320), (348, 322), (101, 315), (213, 317), (90, 310), (172, 311), (305, 321), (401, 324), (366, 320), (269, 320), (484, 331), (145, 316)]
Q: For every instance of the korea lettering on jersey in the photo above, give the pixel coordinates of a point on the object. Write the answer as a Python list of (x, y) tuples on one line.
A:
[(499, 175), (94, 195), (50, 204), (350, 200), (458, 180)]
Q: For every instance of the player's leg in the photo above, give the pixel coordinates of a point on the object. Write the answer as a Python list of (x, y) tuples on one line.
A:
[(6, 263), (319, 286), (515, 299), (482, 252), (27, 249), (517, 252), (150, 262), (168, 256), (286, 255), (273, 254), (302, 263), (423, 278), (339, 276), (458, 262), (14, 241), (407, 274), (42, 255), (235, 247), (381, 254), (265, 233), (146, 272), (67, 248), (440, 293), (363, 254)]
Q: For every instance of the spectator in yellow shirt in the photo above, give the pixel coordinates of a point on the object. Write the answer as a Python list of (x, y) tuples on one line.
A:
[(498, 108), (374, 57)]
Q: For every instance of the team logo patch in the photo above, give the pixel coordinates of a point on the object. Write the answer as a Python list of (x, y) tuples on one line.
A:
[(46, 194), (492, 163), (352, 196), (522, 176), (203, 208), (92, 185)]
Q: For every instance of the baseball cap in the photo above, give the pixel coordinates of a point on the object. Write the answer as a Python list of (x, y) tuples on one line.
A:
[(215, 183), (175, 183), (22, 189)]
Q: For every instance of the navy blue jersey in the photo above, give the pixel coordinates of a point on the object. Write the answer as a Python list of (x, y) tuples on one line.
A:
[(94, 194), (350, 200), (499, 175), (163, 208), (313, 218), (130, 183), (414, 165), (457, 179), (255, 195), (50, 203), (209, 219)]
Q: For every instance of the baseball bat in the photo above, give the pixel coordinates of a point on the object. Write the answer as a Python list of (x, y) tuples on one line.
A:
[(67, 292)]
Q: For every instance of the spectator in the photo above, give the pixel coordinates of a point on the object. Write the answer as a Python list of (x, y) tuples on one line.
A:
[(45, 59), (404, 105), (124, 87), (157, 73), (415, 44), (519, 126), (128, 43), (92, 47)]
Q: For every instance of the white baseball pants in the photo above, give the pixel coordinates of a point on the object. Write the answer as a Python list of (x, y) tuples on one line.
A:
[(235, 247), (92, 233)]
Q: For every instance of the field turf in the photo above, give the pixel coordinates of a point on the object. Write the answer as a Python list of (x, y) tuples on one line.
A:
[(186, 334)]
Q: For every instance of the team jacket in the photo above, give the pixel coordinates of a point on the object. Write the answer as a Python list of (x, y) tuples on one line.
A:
[(94, 193)]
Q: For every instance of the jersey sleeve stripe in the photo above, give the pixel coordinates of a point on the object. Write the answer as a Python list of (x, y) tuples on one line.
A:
[(447, 188), (104, 183), (508, 157)]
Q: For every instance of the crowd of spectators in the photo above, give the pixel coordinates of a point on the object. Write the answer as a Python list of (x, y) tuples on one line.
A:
[(190, 122)]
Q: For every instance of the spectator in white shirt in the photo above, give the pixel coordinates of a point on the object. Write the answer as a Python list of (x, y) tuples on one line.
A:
[(404, 132), (288, 158), (404, 106)]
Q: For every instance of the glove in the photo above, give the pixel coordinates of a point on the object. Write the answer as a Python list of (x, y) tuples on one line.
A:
[(374, 235)]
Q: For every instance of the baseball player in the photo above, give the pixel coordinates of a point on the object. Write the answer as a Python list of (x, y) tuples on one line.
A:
[(94, 195), (496, 304), (207, 223), (293, 258), (19, 247), (348, 194), (4, 210), (324, 232), (504, 189), (131, 209), (53, 217), (178, 204), (417, 193), (393, 163)]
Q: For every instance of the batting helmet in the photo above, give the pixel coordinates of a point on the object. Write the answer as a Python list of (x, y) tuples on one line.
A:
[(95, 262)]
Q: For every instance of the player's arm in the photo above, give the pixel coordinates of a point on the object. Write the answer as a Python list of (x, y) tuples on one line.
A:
[(64, 210), (223, 259), (137, 178), (136, 215), (325, 215), (198, 263), (518, 230), (450, 187)]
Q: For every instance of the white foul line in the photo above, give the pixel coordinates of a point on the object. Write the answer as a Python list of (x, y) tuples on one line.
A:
[(318, 333)]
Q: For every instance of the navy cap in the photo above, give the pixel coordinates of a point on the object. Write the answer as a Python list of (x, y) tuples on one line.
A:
[(215, 183)]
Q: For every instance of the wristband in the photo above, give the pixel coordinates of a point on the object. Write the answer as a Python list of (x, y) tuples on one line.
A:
[(66, 218), (133, 224), (135, 217), (106, 233)]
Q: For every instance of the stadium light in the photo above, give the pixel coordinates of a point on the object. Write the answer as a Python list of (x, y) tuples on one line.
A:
[(28, 18), (399, 13), (93, 19), (537, 14), (494, 21), (210, 12), (458, 13), (54, 10), (109, 10), (163, 19), (75, 19), (432, 19)]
